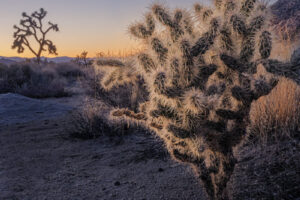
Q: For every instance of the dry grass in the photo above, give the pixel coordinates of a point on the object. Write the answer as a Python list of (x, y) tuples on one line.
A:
[(91, 122), (87, 122), (68, 70), (286, 18), (277, 115), (38, 81), (124, 53), (286, 25), (284, 44)]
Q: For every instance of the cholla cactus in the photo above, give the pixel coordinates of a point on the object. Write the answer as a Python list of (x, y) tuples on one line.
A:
[(118, 72), (201, 77)]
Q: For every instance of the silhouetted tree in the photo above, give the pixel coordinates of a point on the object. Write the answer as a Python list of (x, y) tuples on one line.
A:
[(32, 26)]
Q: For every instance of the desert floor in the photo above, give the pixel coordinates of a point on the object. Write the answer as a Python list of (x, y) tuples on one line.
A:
[(38, 160)]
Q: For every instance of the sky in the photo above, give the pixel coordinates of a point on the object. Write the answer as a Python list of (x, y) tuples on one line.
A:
[(85, 25)]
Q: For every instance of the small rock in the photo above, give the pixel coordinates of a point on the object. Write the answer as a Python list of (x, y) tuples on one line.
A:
[(161, 170), (96, 157), (117, 183), (113, 195)]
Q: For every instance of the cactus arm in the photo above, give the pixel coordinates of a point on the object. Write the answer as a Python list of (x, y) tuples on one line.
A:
[(179, 132), (226, 39), (207, 40), (130, 114), (228, 114), (248, 49), (278, 68), (166, 112), (218, 126), (146, 62), (242, 94), (238, 25), (265, 45), (256, 24), (232, 63), (204, 73), (142, 31), (159, 49), (247, 7), (173, 24), (218, 4)]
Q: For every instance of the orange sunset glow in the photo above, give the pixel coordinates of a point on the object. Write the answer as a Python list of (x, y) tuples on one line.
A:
[(95, 26)]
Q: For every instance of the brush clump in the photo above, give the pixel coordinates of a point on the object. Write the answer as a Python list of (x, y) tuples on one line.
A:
[(200, 72)]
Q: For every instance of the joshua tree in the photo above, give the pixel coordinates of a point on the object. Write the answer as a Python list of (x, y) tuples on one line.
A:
[(32, 26), (202, 78)]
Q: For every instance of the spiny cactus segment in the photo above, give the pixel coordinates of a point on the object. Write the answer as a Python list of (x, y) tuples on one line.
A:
[(143, 31)]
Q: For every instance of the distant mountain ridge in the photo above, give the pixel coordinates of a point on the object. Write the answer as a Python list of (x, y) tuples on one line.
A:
[(6, 61), (12, 60)]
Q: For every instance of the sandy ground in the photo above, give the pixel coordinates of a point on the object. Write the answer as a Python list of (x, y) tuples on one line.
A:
[(38, 161), (16, 109)]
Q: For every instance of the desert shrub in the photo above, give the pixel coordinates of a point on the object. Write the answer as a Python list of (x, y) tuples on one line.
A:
[(68, 70), (277, 116), (82, 60), (267, 171), (3, 69), (91, 122), (43, 86), (201, 76), (287, 19), (32, 81), (286, 24)]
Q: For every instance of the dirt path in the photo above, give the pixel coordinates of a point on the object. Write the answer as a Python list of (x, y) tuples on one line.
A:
[(38, 163)]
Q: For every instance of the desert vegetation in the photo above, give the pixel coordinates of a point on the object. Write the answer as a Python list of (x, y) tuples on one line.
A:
[(276, 116), (32, 26), (218, 85), (286, 25), (39, 81), (83, 60), (286, 19), (202, 78)]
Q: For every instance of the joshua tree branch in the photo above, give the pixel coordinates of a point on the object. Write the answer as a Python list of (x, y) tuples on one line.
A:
[(26, 43)]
